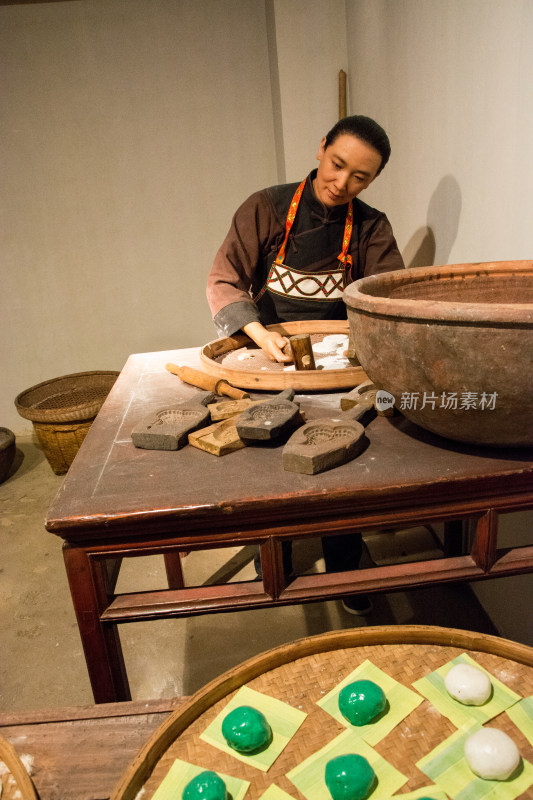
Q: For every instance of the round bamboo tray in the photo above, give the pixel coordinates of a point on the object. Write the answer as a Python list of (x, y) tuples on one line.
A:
[(272, 376), (300, 673), (15, 783), (70, 398)]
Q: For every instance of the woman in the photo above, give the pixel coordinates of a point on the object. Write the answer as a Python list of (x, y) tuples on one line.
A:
[(290, 252), (264, 273)]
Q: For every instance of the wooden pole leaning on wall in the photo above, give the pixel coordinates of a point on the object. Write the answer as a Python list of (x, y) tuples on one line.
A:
[(342, 94)]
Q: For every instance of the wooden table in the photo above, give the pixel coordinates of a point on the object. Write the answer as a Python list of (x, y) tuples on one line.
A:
[(118, 501)]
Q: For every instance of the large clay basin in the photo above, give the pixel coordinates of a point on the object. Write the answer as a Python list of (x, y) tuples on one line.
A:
[(464, 330)]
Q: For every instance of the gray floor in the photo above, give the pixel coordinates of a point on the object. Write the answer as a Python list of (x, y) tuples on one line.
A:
[(42, 660)]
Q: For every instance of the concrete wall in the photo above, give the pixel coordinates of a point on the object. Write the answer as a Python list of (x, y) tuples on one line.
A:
[(451, 83), (311, 49), (132, 131)]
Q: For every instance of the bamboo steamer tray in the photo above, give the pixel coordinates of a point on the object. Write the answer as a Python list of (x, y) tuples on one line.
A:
[(300, 673), (272, 376), (15, 783)]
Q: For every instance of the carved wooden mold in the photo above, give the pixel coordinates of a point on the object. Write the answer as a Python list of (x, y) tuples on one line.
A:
[(323, 444), (269, 421), (168, 428)]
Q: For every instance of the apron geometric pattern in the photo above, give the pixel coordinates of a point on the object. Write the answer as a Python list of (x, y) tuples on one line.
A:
[(291, 282)]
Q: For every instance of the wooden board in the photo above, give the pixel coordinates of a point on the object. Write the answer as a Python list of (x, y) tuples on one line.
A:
[(302, 672), (271, 375), (219, 439), (80, 753)]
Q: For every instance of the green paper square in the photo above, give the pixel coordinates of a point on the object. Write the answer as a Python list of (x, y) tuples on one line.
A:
[(282, 718), (433, 688), (401, 702), (275, 793), (522, 716), (309, 776), (181, 773), (435, 792), (447, 766)]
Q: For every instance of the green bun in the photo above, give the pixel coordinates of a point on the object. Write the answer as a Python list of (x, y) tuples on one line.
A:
[(206, 786), (361, 701), (246, 729), (349, 777)]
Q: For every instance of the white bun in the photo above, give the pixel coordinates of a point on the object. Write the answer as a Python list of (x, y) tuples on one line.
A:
[(492, 754), (468, 684)]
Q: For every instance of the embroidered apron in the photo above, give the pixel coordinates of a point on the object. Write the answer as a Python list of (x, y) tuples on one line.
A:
[(292, 292)]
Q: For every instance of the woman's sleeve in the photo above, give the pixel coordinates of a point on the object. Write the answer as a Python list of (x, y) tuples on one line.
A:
[(230, 281), (378, 250)]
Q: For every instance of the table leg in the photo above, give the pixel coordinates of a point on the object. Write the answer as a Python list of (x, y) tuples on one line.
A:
[(112, 566), (174, 570), (87, 579), (486, 539), (272, 567)]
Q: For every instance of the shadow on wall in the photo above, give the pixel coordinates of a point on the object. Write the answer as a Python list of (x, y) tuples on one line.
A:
[(432, 243)]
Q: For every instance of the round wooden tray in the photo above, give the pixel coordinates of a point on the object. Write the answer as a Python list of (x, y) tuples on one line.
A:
[(15, 783), (300, 673), (273, 376)]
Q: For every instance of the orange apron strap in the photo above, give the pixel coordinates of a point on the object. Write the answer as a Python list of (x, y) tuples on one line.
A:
[(293, 208), (344, 257)]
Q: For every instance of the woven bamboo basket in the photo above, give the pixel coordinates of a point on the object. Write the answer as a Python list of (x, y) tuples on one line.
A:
[(62, 410)]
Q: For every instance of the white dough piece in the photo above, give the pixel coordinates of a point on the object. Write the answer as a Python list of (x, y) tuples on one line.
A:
[(331, 343), (492, 754), (469, 685), (331, 362), (336, 339), (321, 348)]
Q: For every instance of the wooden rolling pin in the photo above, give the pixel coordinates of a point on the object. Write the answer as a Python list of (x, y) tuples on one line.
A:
[(205, 381)]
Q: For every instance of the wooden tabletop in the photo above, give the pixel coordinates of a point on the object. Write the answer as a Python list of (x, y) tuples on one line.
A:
[(114, 487)]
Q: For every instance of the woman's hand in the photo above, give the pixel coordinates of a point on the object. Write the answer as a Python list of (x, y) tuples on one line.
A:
[(271, 342)]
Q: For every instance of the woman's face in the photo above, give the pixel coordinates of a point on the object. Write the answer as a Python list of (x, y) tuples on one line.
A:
[(345, 168)]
